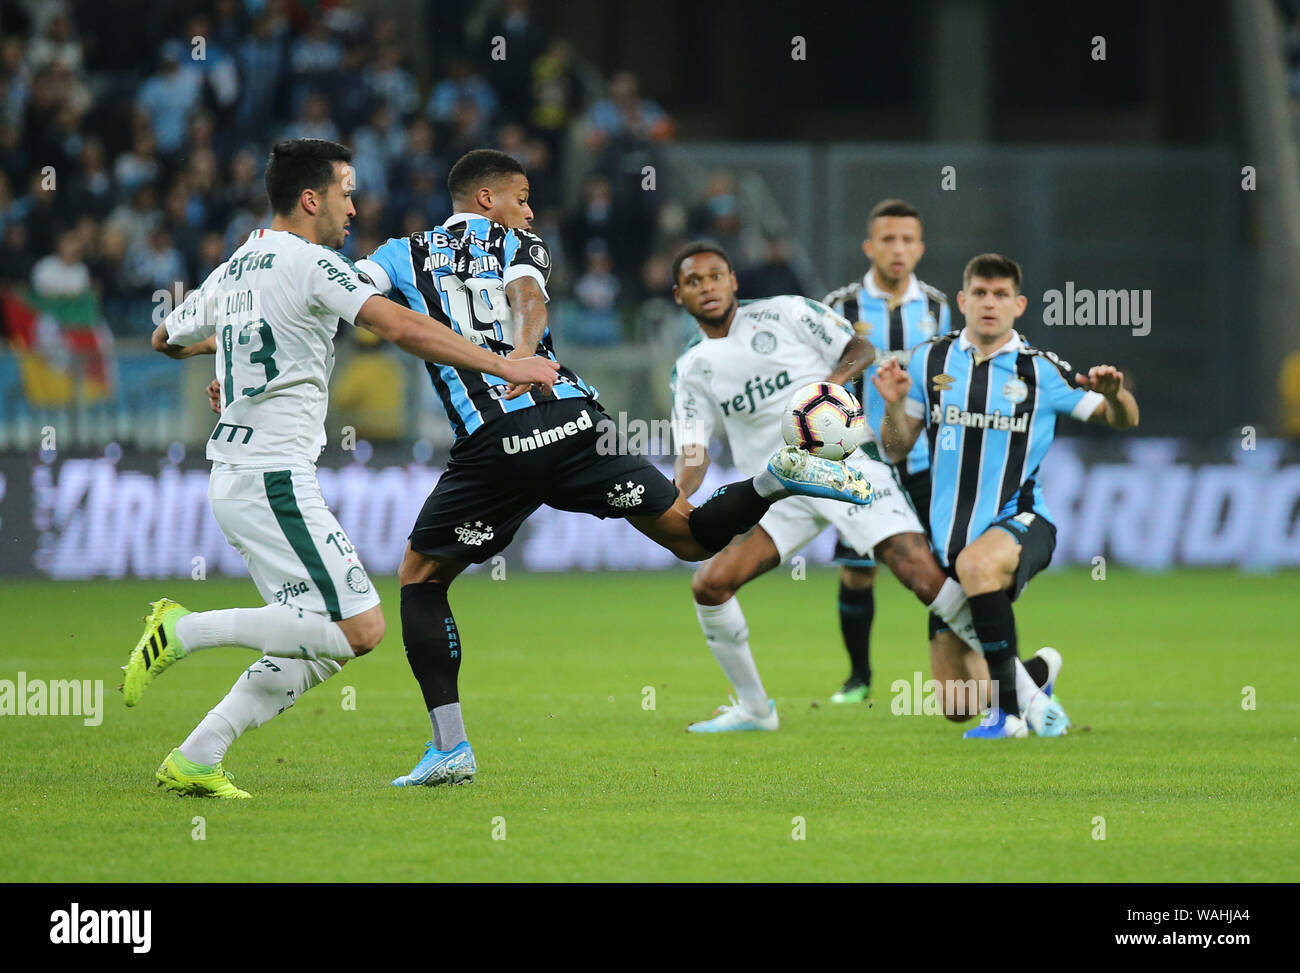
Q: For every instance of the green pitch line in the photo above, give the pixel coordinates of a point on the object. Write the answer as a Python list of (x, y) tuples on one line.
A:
[(586, 782)]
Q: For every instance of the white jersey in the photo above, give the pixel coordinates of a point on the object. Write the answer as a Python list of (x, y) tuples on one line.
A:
[(275, 306), (745, 380)]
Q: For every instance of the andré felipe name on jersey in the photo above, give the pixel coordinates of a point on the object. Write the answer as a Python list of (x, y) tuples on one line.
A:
[(488, 263), (477, 266)]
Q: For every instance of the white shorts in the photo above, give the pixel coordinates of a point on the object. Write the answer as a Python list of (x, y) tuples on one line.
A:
[(795, 521), (295, 550)]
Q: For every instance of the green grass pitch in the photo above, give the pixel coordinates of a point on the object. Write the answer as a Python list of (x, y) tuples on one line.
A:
[(579, 780)]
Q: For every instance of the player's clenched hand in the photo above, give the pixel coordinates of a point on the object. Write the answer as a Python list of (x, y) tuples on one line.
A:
[(1106, 379), (524, 373), (214, 396), (891, 380)]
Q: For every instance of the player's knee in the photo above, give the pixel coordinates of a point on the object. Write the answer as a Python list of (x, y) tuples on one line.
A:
[(977, 571), (415, 568), (366, 633), (960, 699), (958, 706), (709, 588)]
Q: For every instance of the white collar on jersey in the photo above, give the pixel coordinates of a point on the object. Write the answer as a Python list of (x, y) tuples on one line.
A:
[(263, 230), (913, 292), (1015, 344), (461, 218)]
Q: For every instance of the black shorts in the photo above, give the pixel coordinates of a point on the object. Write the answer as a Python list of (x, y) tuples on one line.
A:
[(1037, 538), (559, 453), (917, 488)]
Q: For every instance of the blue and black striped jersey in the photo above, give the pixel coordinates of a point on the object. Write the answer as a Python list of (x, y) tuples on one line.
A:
[(988, 424), (895, 328), (457, 273)]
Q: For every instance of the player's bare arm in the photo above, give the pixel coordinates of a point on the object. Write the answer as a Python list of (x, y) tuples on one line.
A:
[(208, 346), (857, 355), (528, 305), (418, 335), (1120, 408), (689, 467), (898, 429)]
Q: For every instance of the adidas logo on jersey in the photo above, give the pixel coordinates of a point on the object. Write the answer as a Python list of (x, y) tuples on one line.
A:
[(953, 416), (544, 437)]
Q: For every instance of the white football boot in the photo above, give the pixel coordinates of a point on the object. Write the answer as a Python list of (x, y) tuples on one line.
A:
[(806, 475), (735, 718)]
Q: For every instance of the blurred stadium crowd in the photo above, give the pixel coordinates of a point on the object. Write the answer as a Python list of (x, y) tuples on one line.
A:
[(131, 153)]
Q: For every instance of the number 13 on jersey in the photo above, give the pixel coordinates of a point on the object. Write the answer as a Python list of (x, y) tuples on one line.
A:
[(260, 362)]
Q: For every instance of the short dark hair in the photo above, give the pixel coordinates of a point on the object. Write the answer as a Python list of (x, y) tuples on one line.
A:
[(298, 164), (475, 169), (697, 247), (893, 207), (991, 266)]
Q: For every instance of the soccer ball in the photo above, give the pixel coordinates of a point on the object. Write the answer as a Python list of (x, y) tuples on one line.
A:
[(825, 419)]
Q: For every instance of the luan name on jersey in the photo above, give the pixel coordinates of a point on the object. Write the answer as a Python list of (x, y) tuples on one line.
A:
[(275, 306)]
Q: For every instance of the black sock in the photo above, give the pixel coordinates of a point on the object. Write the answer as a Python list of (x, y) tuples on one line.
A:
[(732, 510), (1037, 669), (995, 624), (432, 642), (857, 609)]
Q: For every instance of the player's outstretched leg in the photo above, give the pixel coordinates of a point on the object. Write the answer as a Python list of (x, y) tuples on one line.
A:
[(172, 632), (433, 651), (714, 587), (697, 533)]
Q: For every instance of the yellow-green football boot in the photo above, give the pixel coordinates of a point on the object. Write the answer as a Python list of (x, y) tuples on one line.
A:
[(854, 690), (156, 651), (182, 776)]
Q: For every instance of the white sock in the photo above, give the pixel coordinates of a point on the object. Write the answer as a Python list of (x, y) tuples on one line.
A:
[(727, 633), (272, 630), (950, 605), (448, 727), (769, 487), (1026, 688), (265, 690)]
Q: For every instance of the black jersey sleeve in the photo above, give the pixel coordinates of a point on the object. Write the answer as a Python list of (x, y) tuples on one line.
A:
[(525, 255)]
